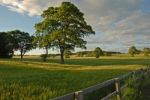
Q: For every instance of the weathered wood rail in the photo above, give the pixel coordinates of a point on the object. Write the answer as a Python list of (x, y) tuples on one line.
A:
[(79, 95)]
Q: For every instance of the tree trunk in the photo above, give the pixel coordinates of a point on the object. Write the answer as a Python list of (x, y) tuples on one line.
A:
[(62, 55), (21, 54), (46, 53)]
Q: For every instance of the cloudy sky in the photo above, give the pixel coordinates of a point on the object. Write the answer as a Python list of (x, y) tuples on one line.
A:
[(119, 24)]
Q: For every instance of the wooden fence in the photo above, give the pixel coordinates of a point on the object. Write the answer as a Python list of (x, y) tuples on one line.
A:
[(79, 95)]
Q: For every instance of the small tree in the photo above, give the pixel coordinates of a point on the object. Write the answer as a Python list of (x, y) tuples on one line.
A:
[(98, 52), (132, 51), (22, 41), (146, 51)]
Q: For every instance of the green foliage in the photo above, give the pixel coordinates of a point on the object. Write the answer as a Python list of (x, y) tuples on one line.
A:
[(135, 84), (132, 51), (85, 54), (92, 53), (146, 51), (64, 27), (15, 40), (133, 90), (98, 52), (22, 41), (6, 45)]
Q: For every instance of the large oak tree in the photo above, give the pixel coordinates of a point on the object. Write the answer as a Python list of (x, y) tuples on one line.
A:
[(64, 27)]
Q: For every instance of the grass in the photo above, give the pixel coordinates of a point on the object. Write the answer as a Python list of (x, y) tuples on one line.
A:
[(137, 87), (33, 79)]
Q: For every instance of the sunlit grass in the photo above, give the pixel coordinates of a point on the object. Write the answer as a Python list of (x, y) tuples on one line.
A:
[(32, 78)]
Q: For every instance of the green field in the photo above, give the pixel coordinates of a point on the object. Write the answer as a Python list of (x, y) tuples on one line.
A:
[(33, 79)]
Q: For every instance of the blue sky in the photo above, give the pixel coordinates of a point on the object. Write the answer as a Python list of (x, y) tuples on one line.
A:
[(119, 24), (10, 20)]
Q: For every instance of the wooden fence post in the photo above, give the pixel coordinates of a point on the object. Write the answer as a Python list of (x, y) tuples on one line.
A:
[(118, 89), (78, 95)]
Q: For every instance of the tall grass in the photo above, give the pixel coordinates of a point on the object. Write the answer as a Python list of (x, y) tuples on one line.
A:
[(37, 80), (135, 86)]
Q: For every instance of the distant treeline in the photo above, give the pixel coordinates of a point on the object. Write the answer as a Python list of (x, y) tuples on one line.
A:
[(97, 52), (85, 54), (92, 53)]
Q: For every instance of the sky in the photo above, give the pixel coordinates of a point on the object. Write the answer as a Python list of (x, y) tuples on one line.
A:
[(118, 24)]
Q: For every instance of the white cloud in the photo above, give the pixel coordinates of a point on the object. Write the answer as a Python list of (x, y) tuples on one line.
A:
[(32, 7)]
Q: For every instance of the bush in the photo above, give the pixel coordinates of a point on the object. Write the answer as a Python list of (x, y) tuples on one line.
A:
[(133, 90), (44, 57), (135, 86)]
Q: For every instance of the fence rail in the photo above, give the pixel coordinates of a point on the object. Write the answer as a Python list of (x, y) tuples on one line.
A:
[(79, 95)]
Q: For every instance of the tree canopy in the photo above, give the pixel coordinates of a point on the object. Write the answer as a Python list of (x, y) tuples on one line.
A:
[(64, 27), (98, 52), (132, 51), (146, 51), (15, 41), (6, 45), (22, 41)]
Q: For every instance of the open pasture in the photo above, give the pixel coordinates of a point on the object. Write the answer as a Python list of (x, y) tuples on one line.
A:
[(32, 78)]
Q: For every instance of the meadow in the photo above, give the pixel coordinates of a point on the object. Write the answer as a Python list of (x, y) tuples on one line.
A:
[(32, 79)]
